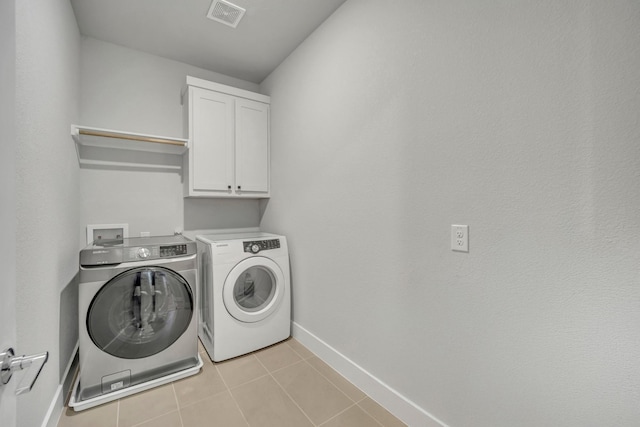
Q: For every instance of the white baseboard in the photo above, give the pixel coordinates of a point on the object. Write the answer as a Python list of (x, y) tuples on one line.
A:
[(401, 407), (57, 404)]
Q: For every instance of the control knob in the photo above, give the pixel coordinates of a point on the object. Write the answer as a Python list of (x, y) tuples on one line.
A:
[(143, 253), (255, 248)]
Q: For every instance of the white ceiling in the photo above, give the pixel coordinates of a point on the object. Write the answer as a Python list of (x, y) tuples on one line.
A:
[(179, 29)]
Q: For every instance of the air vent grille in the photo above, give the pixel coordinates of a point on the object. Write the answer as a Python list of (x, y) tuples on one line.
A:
[(225, 12)]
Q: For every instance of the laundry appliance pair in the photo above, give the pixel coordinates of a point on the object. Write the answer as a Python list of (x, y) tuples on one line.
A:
[(142, 307)]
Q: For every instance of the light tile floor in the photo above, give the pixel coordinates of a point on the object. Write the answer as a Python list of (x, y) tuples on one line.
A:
[(284, 385)]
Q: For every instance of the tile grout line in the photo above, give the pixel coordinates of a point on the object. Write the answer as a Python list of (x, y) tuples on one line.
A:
[(285, 391), (175, 396), (298, 353), (235, 401), (155, 417), (326, 377), (353, 406), (249, 381), (284, 367), (355, 402), (199, 398), (306, 360), (338, 414), (221, 376), (334, 384), (373, 417)]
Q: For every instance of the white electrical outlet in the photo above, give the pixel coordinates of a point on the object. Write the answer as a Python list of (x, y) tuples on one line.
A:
[(460, 238)]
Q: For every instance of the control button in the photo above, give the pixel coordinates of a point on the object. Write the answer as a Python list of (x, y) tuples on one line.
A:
[(143, 253), (255, 248)]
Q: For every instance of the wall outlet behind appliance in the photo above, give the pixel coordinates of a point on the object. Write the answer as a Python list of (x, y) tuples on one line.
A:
[(460, 238)]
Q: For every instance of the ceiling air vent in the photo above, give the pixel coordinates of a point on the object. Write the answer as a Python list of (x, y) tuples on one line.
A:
[(225, 12)]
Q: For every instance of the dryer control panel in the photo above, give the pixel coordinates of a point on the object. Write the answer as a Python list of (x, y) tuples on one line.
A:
[(261, 245)]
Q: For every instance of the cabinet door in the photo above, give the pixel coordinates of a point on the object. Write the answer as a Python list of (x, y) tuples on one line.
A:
[(212, 131), (252, 146)]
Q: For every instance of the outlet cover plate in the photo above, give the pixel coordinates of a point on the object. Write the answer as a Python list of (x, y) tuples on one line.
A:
[(460, 238)]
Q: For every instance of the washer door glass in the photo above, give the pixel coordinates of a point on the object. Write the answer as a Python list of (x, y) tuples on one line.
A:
[(254, 289), (140, 312)]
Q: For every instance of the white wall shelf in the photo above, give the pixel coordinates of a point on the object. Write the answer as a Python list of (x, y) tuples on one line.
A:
[(86, 137), (108, 138)]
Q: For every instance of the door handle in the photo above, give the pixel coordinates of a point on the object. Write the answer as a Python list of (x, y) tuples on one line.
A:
[(11, 363)]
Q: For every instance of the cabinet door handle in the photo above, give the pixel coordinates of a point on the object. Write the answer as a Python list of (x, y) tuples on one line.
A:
[(228, 187), (239, 188)]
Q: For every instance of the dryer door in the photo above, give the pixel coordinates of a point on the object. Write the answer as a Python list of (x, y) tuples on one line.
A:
[(254, 289), (140, 312)]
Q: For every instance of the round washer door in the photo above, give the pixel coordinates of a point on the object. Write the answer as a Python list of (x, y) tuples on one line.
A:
[(254, 289), (140, 312)]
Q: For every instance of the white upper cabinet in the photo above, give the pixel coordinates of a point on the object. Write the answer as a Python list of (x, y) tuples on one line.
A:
[(252, 146), (228, 152), (211, 158)]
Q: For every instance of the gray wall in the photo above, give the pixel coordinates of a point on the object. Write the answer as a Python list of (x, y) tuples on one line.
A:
[(57, 72), (128, 90), (8, 195), (47, 214), (392, 122)]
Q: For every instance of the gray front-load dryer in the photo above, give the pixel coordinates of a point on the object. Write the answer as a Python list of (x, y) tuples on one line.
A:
[(137, 321)]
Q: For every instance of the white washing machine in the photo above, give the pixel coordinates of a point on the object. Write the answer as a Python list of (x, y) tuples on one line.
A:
[(138, 317), (245, 292)]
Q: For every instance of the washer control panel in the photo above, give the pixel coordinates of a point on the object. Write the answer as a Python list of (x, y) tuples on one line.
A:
[(173, 250), (141, 253), (136, 249), (261, 245), (153, 252)]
